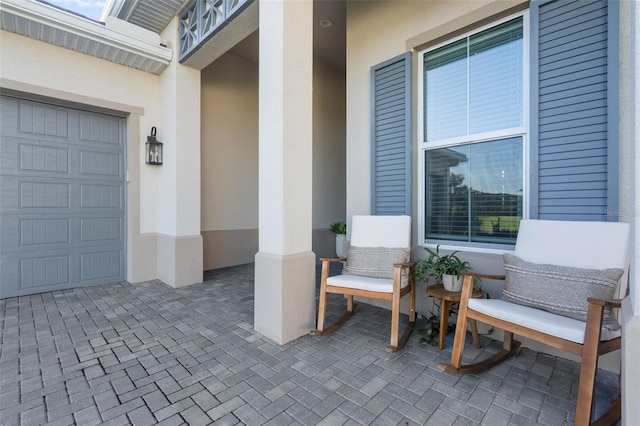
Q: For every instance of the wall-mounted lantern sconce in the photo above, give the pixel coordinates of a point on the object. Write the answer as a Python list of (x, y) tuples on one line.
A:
[(153, 149)]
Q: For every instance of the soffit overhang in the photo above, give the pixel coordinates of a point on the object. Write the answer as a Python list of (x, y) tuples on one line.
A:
[(135, 49), (153, 15)]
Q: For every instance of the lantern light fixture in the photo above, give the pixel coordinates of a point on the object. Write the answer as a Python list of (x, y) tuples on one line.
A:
[(153, 149)]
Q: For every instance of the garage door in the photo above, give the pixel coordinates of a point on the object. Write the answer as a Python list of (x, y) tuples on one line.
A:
[(61, 198)]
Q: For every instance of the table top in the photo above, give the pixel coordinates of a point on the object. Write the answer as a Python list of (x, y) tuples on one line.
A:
[(439, 292)]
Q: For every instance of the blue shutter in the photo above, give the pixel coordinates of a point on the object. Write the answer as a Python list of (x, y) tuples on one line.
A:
[(391, 136), (574, 135)]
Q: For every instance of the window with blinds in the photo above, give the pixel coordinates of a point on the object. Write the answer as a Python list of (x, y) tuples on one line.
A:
[(473, 137)]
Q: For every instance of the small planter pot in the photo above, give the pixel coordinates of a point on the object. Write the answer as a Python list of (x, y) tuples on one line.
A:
[(341, 245), (452, 283)]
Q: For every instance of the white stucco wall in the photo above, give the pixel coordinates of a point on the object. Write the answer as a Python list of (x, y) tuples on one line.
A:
[(329, 155), (230, 144), (180, 125), (329, 149), (229, 110), (52, 67), (229, 161)]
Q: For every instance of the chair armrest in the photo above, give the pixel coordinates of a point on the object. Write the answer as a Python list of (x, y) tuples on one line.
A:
[(610, 303), (404, 265), (333, 259), (486, 276)]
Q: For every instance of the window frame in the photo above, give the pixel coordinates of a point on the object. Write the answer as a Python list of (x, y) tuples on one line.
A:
[(523, 131)]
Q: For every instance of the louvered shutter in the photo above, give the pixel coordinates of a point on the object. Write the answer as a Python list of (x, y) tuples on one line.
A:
[(391, 136), (574, 110)]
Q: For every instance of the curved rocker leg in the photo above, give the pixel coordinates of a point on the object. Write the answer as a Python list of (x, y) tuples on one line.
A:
[(613, 414), (508, 348), (403, 340), (482, 365), (336, 326)]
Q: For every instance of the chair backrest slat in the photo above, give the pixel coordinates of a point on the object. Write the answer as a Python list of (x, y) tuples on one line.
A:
[(381, 231), (591, 245)]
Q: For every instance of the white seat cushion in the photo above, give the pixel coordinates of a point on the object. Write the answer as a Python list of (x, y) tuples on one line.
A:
[(536, 319), (380, 285)]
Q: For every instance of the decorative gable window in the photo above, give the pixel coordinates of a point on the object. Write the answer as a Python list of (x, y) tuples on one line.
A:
[(202, 19), (473, 134)]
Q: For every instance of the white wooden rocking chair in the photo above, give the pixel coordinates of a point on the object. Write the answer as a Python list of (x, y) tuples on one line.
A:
[(590, 246)]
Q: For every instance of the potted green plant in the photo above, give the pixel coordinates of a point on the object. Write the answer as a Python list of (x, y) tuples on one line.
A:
[(440, 266), (340, 229), (446, 268)]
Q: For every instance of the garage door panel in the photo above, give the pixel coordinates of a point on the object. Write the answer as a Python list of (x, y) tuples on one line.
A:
[(34, 233), (43, 120), (25, 156), (44, 271), (23, 195), (34, 120), (58, 269), (101, 196), (28, 272), (43, 158), (94, 164), (49, 195), (100, 265), (46, 159), (37, 232), (98, 128), (93, 229), (62, 212)]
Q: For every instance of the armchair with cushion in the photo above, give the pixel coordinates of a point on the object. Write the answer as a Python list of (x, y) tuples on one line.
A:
[(377, 266), (563, 286)]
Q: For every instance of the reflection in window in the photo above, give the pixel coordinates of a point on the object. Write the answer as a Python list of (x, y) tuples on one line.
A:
[(473, 193)]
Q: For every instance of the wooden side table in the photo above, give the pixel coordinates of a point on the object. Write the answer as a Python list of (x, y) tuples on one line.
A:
[(447, 298)]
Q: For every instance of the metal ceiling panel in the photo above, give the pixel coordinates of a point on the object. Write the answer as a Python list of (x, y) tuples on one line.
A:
[(153, 15)]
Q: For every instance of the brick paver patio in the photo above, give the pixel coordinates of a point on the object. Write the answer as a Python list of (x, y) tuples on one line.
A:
[(146, 354)]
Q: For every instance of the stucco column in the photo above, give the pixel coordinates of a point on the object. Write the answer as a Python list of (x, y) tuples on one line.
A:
[(285, 264), (179, 243), (630, 201)]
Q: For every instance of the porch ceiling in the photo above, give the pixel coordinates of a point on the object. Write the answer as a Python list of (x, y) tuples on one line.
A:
[(155, 15)]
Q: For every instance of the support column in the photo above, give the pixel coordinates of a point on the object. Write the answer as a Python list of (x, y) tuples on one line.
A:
[(179, 243), (630, 201), (285, 264)]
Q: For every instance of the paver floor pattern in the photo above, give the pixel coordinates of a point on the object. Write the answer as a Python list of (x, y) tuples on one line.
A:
[(143, 354)]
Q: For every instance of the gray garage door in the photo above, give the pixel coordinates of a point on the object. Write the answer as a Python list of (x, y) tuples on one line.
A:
[(61, 198)]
